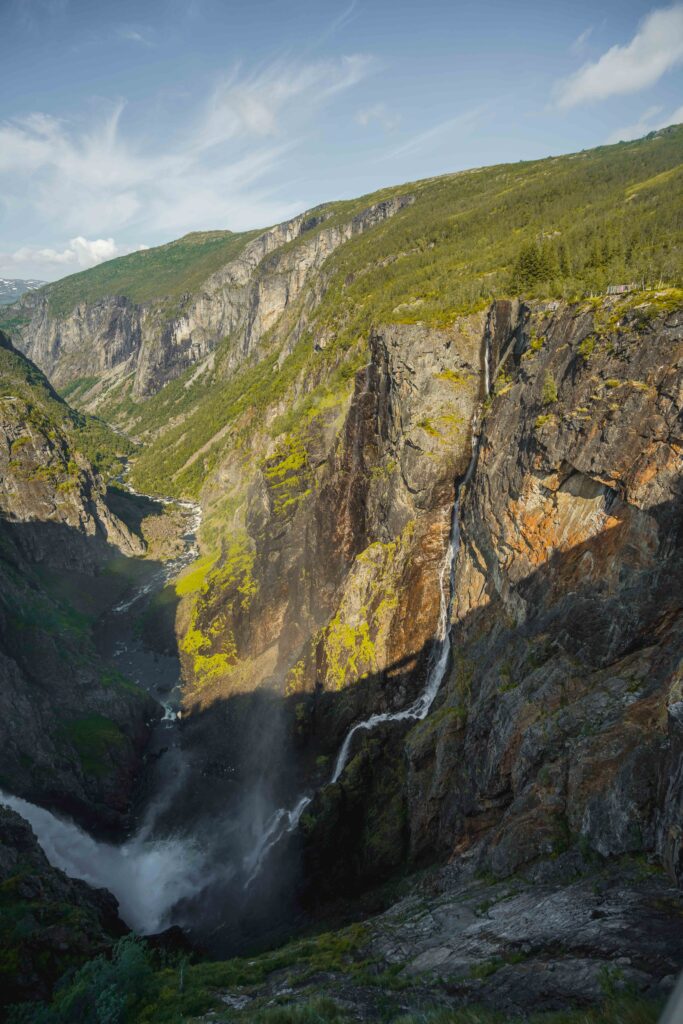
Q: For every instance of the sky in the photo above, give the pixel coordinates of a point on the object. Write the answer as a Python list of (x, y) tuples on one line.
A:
[(127, 124)]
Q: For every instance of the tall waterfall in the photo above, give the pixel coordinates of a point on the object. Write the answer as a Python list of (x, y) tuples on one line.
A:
[(283, 821)]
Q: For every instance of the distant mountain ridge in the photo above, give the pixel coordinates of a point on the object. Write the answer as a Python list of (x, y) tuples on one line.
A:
[(12, 288)]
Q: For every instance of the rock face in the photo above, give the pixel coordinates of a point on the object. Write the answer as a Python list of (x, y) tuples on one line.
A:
[(559, 724), (340, 522), (71, 732), (528, 947), (114, 337), (48, 922), (567, 626), (44, 480)]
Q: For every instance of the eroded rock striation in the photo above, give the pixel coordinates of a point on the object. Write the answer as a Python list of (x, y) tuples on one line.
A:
[(558, 727), (342, 522), (114, 337)]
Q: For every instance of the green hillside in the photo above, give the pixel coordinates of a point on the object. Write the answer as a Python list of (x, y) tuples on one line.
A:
[(561, 227), (20, 378), (171, 271), (167, 271)]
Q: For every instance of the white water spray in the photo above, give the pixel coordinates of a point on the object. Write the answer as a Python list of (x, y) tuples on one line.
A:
[(283, 821), (146, 876), (150, 876)]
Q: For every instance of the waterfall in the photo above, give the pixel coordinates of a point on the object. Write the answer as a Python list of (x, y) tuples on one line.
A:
[(150, 876), (147, 876), (280, 823), (283, 821)]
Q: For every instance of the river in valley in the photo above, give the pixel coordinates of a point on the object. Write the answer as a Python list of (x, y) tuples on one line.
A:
[(219, 794)]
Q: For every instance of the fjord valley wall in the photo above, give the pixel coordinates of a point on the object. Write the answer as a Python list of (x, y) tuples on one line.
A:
[(72, 731), (321, 388), (557, 731)]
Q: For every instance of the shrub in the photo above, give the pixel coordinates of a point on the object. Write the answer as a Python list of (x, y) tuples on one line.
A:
[(549, 395)]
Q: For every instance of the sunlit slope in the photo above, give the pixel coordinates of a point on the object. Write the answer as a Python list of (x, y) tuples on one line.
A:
[(561, 227)]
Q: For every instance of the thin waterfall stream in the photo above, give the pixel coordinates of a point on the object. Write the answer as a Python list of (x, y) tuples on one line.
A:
[(283, 821)]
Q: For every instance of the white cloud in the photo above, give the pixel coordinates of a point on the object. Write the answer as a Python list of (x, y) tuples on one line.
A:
[(80, 252), (379, 114), (656, 48), (94, 179), (134, 35), (649, 121)]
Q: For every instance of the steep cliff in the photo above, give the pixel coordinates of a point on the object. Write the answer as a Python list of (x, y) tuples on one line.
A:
[(557, 732), (71, 731), (48, 922), (327, 392), (101, 342), (43, 478), (339, 522)]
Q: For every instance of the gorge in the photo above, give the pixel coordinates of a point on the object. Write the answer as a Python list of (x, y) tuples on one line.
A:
[(368, 684)]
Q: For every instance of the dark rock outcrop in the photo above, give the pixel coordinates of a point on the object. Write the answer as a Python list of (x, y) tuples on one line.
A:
[(558, 725), (48, 922), (72, 732)]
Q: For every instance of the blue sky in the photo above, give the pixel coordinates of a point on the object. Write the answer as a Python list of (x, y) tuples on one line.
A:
[(127, 124)]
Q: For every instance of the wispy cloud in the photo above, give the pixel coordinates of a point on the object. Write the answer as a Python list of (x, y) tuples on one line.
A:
[(650, 121), (656, 48), (379, 114), (140, 36), (439, 132), (95, 179), (254, 104), (345, 15), (580, 42)]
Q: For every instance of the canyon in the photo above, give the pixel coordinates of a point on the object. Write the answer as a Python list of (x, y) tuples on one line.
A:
[(389, 655)]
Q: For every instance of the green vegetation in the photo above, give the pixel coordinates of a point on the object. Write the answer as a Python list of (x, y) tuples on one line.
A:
[(38, 611), (194, 579), (610, 215), (28, 917), (543, 420), (21, 379), (591, 219), (586, 347), (139, 986), (287, 474), (167, 271), (549, 393), (95, 738), (349, 651), (75, 388), (111, 677), (102, 447)]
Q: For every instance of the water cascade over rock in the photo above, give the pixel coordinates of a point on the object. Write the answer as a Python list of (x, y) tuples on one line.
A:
[(284, 821)]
